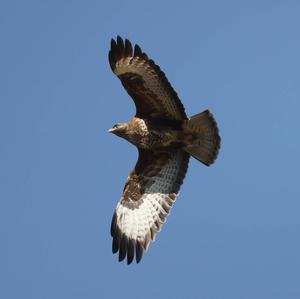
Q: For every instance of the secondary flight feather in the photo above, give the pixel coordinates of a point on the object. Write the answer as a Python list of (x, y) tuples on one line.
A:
[(165, 138)]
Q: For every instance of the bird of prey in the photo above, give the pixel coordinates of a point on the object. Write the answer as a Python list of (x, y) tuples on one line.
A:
[(165, 138)]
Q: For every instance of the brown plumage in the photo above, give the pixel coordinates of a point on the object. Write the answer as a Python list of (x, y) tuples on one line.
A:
[(165, 138)]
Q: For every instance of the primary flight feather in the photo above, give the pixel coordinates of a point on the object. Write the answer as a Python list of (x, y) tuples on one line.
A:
[(165, 138)]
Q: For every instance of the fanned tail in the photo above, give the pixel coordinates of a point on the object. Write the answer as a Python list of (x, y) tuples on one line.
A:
[(204, 141)]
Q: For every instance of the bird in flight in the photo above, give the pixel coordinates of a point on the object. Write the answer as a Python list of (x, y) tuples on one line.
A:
[(165, 138)]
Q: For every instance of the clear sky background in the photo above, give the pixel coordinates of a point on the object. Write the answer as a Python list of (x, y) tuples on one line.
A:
[(234, 230)]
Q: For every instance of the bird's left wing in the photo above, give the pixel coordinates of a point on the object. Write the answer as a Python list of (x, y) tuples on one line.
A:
[(148, 195), (148, 86)]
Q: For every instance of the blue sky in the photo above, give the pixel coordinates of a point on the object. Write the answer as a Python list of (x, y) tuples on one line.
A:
[(234, 231)]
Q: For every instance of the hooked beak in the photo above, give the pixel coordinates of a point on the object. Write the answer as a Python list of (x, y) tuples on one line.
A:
[(117, 129), (110, 130)]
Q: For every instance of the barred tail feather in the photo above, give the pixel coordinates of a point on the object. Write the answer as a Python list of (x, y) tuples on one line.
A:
[(205, 144)]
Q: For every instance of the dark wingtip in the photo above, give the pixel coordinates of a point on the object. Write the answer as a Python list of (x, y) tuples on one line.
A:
[(123, 248), (120, 47), (111, 60), (115, 245), (137, 51), (115, 233), (139, 252), (126, 247), (130, 251), (112, 54), (113, 45), (128, 48), (120, 42), (113, 225)]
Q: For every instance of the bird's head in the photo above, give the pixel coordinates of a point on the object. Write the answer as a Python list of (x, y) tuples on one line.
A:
[(119, 129)]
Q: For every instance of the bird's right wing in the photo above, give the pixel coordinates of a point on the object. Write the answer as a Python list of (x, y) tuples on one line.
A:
[(148, 86), (149, 193)]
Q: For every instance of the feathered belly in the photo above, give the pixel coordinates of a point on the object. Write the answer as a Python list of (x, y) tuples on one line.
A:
[(147, 134), (158, 139)]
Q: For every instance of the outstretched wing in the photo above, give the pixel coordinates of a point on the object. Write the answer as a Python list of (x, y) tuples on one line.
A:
[(148, 195), (148, 86)]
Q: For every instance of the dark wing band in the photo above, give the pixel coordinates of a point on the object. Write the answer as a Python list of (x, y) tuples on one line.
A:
[(148, 86), (148, 196)]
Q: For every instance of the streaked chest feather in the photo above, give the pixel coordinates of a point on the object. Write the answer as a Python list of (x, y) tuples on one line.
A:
[(146, 135)]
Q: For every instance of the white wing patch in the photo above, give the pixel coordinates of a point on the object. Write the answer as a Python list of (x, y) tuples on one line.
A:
[(136, 223)]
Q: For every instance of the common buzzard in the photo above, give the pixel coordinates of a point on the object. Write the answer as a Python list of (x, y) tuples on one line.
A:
[(165, 138)]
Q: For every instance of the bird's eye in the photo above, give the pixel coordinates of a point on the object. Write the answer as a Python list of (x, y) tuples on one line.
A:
[(115, 126)]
